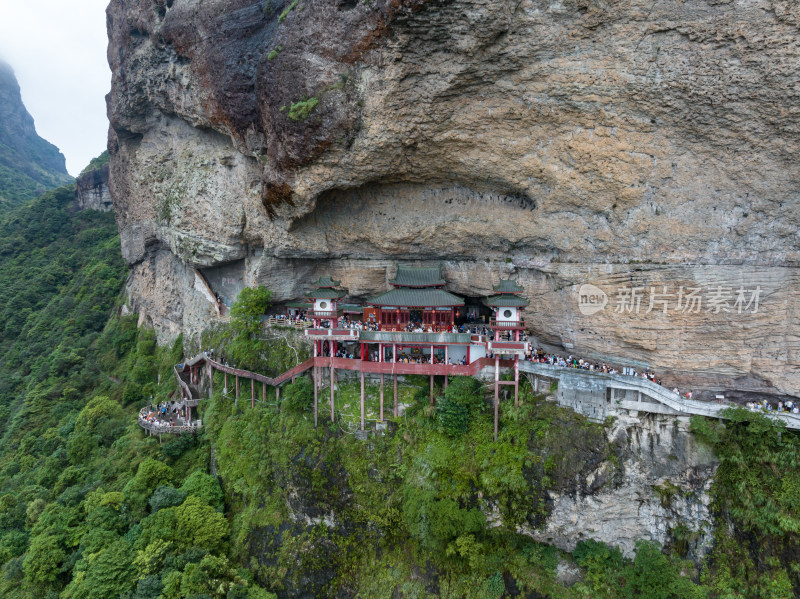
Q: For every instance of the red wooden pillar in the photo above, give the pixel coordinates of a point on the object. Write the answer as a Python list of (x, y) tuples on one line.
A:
[(332, 415), (381, 416), (395, 396), (468, 355), (315, 376), (237, 386), (496, 393), (264, 393), (252, 393), (516, 380), (431, 389), (362, 400)]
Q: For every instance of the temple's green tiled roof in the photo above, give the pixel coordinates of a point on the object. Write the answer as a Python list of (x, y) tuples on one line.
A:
[(303, 305), (325, 282), (417, 298), (418, 277), (508, 286), (506, 301), (325, 293), (351, 308)]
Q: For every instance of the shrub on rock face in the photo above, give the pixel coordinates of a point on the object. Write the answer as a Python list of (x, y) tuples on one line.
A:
[(465, 391), (453, 417), (461, 401), (248, 309), (298, 396)]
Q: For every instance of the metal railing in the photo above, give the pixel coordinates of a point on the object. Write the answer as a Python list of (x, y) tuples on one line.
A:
[(650, 390), (160, 429), (323, 313)]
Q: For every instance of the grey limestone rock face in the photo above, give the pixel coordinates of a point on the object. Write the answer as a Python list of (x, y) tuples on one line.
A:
[(91, 190), (661, 483), (630, 145)]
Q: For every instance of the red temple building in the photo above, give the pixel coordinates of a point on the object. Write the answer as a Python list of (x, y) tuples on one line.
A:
[(411, 329), (418, 300)]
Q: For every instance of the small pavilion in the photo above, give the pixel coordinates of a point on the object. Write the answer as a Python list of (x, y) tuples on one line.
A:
[(325, 297), (506, 303)]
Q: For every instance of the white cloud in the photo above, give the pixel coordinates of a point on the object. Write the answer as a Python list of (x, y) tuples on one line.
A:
[(57, 49)]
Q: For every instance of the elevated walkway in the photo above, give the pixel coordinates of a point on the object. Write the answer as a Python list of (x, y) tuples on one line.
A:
[(597, 395), (591, 393)]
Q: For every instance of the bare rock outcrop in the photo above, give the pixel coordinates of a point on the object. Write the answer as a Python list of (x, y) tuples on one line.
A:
[(647, 149), (91, 190), (659, 492)]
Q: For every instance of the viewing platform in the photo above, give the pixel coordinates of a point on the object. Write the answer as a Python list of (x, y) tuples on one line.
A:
[(519, 348), (325, 314), (506, 324), (333, 334)]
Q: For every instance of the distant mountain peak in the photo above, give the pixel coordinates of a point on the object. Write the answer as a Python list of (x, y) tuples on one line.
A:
[(29, 164)]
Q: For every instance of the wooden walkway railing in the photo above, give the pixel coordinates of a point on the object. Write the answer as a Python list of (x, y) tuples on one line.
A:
[(647, 388)]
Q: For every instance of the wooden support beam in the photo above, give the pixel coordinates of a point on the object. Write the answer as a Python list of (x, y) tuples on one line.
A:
[(332, 384), (226, 382), (316, 407), (381, 415), (395, 393), (496, 394), (431, 389), (362, 400), (516, 380), (264, 393), (252, 393)]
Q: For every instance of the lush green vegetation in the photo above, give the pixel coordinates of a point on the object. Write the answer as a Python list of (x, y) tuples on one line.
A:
[(316, 510), (29, 165), (246, 344), (91, 507), (97, 162), (756, 494)]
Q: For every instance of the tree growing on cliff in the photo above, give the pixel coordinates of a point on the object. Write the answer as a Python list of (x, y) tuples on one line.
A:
[(248, 309)]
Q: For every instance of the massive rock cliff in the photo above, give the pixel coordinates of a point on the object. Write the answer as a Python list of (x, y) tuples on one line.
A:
[(646, 148)]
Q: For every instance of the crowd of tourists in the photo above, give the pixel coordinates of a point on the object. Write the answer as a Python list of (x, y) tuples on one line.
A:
[(165, 414), (357, 325), (789, 406)]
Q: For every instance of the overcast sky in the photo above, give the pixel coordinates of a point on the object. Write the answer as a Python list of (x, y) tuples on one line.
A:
[(57, 49)]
